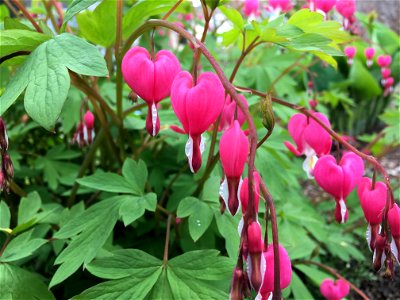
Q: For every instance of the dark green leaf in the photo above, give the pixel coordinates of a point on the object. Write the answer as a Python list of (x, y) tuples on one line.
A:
[(134, 207), (108, 182), (28, 207), (4, 215), (136, 174)]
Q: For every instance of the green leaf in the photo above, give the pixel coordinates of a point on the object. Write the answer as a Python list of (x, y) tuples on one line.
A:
[(314, 274), (134, 207), (28, 207), (109, 182), (22, 246), (89, 231), (14, 40), (13, 23), (17, 283), (228, 227), (5, 215), (300, 291), (46, 77), (362, 81), (136, 174), (200, 216), (4, 13), (138, 275), (141, 11), (77, 6), (99, 26), (234, 16)]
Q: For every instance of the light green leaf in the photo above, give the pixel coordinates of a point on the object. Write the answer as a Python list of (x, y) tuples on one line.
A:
[(13, 23), (234, 16), (22, 246), (4, 13), (98, 26), (17, 283), (228, 227), (77, 6), (5, 215), (14, 40), (134, 207), (363, 81), (136, 174), (109, 182), (28, 207)]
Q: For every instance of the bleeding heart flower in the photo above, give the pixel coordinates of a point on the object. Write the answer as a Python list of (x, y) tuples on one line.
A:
[(244, 197), (237, 282), (255, 259), (282, 5), (197, 106), (339, 179), (84, 133), (369, 55), (386, 73), (372, 202), (346, 8), (324, 5), (350, 52), (379, 252), (228, 113), (285, 271), (251, 7), (3, 136), (311, 139), (233, 148), (394, 222), (384, 60), (150, 78), (334, 291)]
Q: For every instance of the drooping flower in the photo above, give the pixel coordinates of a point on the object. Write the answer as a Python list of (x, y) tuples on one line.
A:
[(197, 106), (394, 223), (311, 139), (334, 291), (384, 61), (324, 5), (151, 79), (369, 55), (255, 258), (3, 136), (340, 179), (285, 271), (386, 73), (236, 292), (281, 5), (251, 7), (372, 202), (346, 8), (350, 52), (233, 148), (379, 252), (244, 197), (84, 133), (228, 113)]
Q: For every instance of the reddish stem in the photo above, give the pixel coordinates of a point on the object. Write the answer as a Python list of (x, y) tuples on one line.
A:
[(27, 15)]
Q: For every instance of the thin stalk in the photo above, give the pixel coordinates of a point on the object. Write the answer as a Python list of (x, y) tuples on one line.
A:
[(334, 273), (118, 48), (12, 8), (17, 189), (8, 238), (277, 294), (47, 5), (59, 11), (27, 15), (172, 9), (165, 259)]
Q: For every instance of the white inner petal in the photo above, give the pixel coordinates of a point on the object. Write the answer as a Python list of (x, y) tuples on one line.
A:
[(240, 226), (85, 134), (224, 192), (310, 162), (343, 209), (395, 251), (368, 235), (202, 144), (189, 152), (154, 117)]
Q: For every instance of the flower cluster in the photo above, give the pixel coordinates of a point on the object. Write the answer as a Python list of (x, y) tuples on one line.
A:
[(7, 169), (84, 133)]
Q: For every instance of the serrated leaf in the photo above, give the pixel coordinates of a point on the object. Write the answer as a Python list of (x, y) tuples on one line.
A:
[(17, 283), (98, 26), (5, 215), (109, 182), (20, 247), (136, 174), (76, 7), (28, 207), (45, 76), (14, 40), (89, 231)]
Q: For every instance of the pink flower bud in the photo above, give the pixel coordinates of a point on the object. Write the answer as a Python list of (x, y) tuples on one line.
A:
[(372, 200), (283, 5), (234, 148), (394, 223), (3, 136), (346, 8), (334, 291), (255, 262), (197, 106), (339, 179), (384, 60), (251, 7), (369, 52), (228, 113), (389, 82), (386, 73), (89, 119), (350, 52), (7, 166), (244, 192), (379, 252), (324, 5), (2, 180), (236, 292), (285, 270), (151, 79)]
